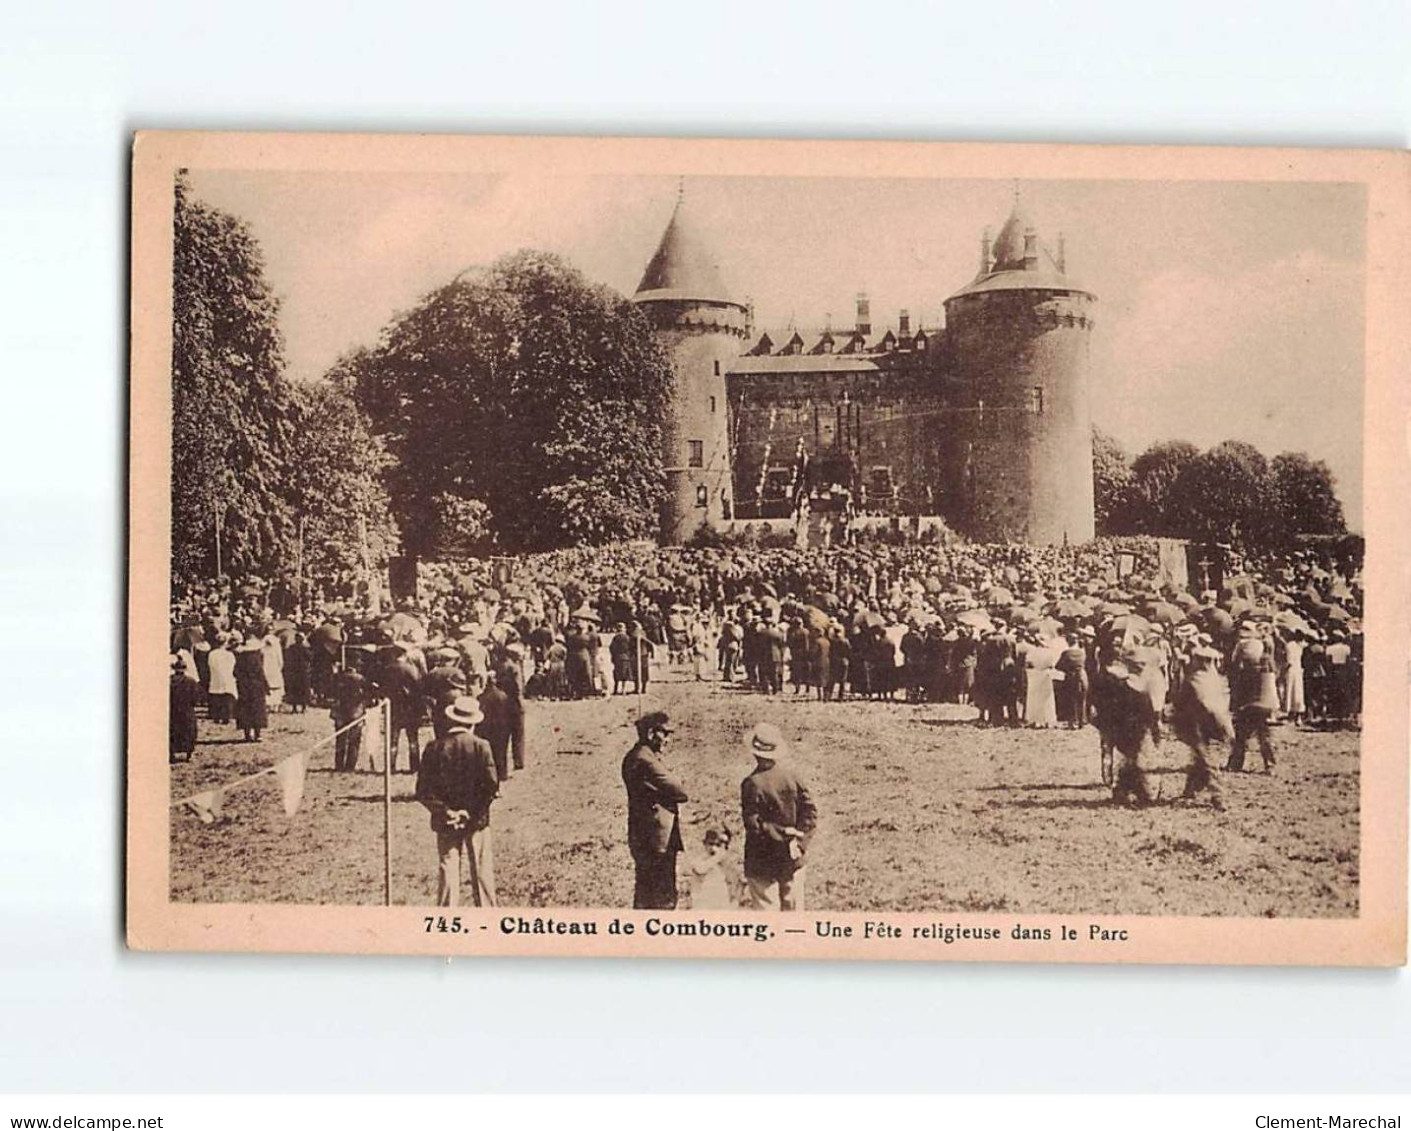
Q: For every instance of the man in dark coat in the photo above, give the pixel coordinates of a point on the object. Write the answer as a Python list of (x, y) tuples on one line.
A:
[(653, 815), (779, 818), (457, 783), (497, 725), (181, 732), (298, 674), (350, 694), (401, 684), (251, 709)]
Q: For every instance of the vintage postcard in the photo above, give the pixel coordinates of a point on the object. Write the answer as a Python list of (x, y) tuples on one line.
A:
[(768, 549)]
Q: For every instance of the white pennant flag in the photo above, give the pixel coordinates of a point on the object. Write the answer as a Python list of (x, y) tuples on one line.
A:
[(290, 773), (208, 806)]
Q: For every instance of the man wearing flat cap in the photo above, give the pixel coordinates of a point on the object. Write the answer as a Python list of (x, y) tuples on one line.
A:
[(457, 783), (653, 815), (779, 818)]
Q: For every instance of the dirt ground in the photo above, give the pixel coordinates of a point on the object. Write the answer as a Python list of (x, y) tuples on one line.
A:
[(920, 810)]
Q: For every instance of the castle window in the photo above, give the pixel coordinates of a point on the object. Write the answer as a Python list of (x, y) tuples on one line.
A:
[(712, 403), (1036, 400), (702, 496), (717, 369), (695, 453)]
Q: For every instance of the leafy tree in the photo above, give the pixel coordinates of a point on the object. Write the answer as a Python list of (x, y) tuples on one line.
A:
[(232, 417), (1305, 495), (1112, 484), (335, 482), (529, 390), (1155, 505), (1227, 495)]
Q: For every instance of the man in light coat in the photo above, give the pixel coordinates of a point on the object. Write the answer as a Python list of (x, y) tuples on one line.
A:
[(779, 818)]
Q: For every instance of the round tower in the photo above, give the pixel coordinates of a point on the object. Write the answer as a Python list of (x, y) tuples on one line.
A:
[(1018, 346), (703, 329)]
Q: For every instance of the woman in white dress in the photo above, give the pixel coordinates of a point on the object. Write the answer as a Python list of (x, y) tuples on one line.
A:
[(1039, 660), (1294, 706), (274, 670)]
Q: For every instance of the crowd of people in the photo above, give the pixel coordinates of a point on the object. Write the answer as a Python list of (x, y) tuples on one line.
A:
[(1093, 635)]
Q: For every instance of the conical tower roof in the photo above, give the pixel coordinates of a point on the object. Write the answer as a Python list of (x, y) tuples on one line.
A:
[(1008, 250), (685, 266), (1010, 269)]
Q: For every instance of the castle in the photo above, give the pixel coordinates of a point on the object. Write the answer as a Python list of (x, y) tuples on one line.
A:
[(983, 422)]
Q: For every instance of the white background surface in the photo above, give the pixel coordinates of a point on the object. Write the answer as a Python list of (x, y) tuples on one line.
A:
[(79, 1013)]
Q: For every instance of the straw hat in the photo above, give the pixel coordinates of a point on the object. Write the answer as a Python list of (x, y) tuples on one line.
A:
[(464, 711), (767, 741)]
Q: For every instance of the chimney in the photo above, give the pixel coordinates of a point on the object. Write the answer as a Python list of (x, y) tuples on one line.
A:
[(1062, 255), (1031, 250), (904, 324), (864, 315), (985, 253)]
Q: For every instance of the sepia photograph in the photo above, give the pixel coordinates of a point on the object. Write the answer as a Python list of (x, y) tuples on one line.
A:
[(731, 552)]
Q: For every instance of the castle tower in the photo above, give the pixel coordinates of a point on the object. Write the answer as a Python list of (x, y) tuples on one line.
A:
[(703, 330), (1018, 345)]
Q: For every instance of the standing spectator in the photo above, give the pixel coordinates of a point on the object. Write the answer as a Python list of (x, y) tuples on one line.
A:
[(251, 711), (273, 654), (298, 674), (181, 732), (350, 693), (401, 683), (779, 818), (1253, 699), (510, 684), (457, 783), (654, 798), (495, 725), (222, 689)]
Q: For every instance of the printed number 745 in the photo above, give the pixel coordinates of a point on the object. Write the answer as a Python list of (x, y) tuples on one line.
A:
[(443, 925)]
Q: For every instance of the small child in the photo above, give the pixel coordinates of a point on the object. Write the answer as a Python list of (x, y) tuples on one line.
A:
[(709, 889)]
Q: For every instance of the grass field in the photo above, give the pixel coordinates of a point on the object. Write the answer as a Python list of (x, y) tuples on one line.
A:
[(920, 810)]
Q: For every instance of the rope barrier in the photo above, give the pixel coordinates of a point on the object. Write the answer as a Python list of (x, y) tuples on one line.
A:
[(322, 742)]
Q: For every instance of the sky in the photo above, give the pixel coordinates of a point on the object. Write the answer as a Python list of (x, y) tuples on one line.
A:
[(1225, 310)]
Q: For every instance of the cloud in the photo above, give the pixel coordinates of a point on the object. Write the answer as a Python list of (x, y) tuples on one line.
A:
[(1271, 354)]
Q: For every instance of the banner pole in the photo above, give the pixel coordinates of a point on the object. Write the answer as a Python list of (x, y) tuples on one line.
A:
[(386, 802)]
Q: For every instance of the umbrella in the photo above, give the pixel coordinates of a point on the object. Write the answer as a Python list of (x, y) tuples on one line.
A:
[(1022, 614), (933, 585), (490, 596), (869, 619), (328, 638), (1113, 609), (1292, 621), (1010, 575), (404, 626), (1047, 626), (1116, 595), (1163, 612), (1068, 608), (998, 595), (1186, 601), (187, 638), (1129, 624), (816, 618), (975, 618), (1218, 621), (1338, 613)]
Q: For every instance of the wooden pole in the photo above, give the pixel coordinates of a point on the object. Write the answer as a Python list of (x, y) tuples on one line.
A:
[(215, 508), (386, 709)]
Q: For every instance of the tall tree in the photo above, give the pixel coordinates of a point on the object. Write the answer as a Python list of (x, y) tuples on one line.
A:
[(232, 417), (1227, 496), (530, 391), (1155, 503), (1112, 484), (336, 489), (1305, 493)]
